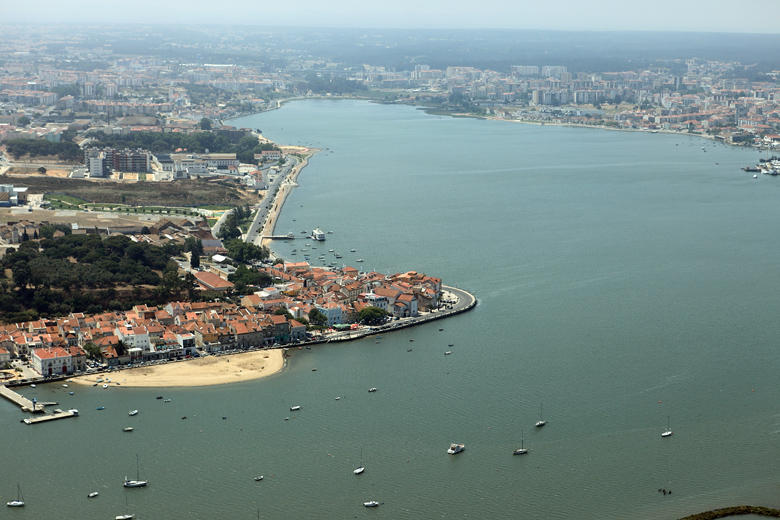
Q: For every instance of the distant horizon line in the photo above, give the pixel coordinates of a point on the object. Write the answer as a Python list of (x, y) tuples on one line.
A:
[(90, 24)]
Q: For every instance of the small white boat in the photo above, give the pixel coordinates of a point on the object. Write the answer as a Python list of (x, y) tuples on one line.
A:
[(124, 517), (105, 385), (74, 411), (32, 385), (448, 352), (337, 398), (137, 482), (127, 429), (455, 448), (755, 176), (371, 503), (166, 400), (372, 389), (668, 432), (295, 408), (359, 260), (258, 478), (19, 502), (358, 471), (132, 413), (351, 250), (522, 450), (64, 385), (93, 494), (541, 422)]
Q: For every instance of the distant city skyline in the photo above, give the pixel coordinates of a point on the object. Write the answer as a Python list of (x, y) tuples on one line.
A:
[(748, 16)]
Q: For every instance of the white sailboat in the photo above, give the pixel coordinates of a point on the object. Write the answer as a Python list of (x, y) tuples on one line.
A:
[(137, 482), (541, 422), (360, 469), (668, 432), (19, 502), (522, 450), (126, 516)]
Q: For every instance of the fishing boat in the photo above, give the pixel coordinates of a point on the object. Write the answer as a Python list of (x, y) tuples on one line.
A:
[(455, 448), (372, 389), (668, 432), (132, 413), (258, 478), (137, 482), (522, 450), (541, 422), (19, 502), (371, 503)]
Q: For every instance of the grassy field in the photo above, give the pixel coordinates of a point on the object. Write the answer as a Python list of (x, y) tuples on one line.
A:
[(189, 193)]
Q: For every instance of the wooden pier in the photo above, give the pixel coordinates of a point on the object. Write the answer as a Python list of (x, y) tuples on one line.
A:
[(25, 404)]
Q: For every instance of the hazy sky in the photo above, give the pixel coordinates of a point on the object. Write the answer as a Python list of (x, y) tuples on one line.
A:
[(676, 15)]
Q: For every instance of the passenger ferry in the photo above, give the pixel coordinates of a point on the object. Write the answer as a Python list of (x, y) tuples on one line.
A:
[(318, 235)]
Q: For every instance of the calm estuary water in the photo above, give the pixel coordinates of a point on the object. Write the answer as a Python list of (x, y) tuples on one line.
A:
[(623, 278)]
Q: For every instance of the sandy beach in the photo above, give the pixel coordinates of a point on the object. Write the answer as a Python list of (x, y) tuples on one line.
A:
[(210, 370)]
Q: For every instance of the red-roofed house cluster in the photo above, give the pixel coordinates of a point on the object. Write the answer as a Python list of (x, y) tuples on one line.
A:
[(180, 329)]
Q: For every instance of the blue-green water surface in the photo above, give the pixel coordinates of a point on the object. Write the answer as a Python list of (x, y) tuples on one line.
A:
[(623, 278)]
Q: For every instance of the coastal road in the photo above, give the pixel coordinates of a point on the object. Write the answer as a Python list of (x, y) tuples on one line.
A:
[(270, 200)]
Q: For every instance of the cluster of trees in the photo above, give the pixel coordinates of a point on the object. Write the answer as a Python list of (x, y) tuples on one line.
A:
[(87, 273), (229, 228), (244, 146), (245, 279), (244, 252), (65, 150)]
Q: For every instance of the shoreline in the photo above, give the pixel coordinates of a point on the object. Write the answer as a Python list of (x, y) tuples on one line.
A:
[(204, 371), (284, 190)]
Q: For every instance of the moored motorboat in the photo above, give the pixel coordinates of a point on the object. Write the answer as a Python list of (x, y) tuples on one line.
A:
[(93, 494), (371, 503), (295, 408), (456, 448), (132, 413), (372, 389), (258, 478), (127, 429)]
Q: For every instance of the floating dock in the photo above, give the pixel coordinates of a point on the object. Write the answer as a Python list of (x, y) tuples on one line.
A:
[(58, 414)]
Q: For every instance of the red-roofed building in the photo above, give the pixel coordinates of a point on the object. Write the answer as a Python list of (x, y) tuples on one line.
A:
[(212, 282), (51, 361)]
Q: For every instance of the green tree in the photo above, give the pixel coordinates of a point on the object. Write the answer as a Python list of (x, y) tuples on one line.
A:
[(93, 351), (317, 318), (205, 124), (42, 170), (372, 316), (23, 121)]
